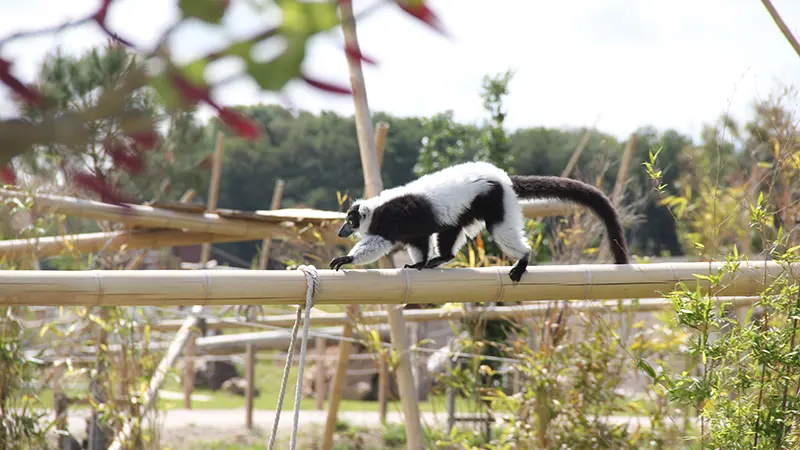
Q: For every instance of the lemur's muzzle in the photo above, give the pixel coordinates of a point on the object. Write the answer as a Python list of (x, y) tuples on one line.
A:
[(345, 231)]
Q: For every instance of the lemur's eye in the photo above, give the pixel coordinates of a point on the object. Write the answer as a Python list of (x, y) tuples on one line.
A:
[(350, 222)]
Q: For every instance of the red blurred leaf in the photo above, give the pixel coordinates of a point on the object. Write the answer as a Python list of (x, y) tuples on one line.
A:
[(145, 140), (97, 183), (125, 157), (27, 94), (191, 94), (420, 11), (7, 175), (240, 124), (100, 15), (325, 86), (354, 52)]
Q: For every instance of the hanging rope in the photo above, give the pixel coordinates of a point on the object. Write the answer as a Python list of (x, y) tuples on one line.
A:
[(312, 289)]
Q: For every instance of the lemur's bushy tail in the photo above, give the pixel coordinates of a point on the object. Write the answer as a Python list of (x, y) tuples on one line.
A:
[(567, 189)]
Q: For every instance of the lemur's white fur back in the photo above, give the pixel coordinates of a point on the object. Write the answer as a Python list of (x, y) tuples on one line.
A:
[(450, 191)]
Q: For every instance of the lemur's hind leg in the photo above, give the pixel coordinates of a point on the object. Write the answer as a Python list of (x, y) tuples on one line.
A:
[(512, 242), (448, 241), (418, 250)]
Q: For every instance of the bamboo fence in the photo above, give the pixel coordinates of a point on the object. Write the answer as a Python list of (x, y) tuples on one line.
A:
[(437, 314), (378, 286)]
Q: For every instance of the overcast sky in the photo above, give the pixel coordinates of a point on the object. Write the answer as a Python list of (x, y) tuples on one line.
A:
[(619, 63)]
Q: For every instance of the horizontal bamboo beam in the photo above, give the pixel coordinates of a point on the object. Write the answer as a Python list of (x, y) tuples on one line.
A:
[(433, 315), (228, 344), (533, 209), (133, 239), (378, 286), (146, 216)]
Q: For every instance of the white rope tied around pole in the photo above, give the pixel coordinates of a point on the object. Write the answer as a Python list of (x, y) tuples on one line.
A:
[(312, 289)]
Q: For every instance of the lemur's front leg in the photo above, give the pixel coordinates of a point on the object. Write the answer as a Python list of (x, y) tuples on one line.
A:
[(367, 250)]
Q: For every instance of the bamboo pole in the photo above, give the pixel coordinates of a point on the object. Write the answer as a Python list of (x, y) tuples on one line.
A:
[(573, 160), (787, 32), (188, 371), (381, 134), (251, 381), (435, 315), (619, 184), (205, 254), (373, 185), (213, 190), (160, 375), (376, 287), (320, 374), (187, 333), (624, 168), (132, 239), (277, 195), (143, 216)]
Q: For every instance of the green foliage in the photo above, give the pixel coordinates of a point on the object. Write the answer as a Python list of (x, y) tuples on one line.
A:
[(445, 143), (23, 423), (495, 144), (569, 389)]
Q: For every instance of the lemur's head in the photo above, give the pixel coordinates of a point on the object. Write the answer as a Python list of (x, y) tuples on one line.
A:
[(357, 220)]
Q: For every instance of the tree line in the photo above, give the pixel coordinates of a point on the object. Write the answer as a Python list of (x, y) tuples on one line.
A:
[(317, 154)]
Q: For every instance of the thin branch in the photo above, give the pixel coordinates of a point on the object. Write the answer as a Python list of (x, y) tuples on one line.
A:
[(48, 30), (782, 25)]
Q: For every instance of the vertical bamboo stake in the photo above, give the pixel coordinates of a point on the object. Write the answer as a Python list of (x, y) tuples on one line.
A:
[(277, 195), (211, 206), (372, 186), (619, 185), (250, 374), (383, 386), (573, 160), (185, 335), (381, 134), (213, 191), (320, 374), (622, 174), (61, 405), (97, 430), (188, 371)]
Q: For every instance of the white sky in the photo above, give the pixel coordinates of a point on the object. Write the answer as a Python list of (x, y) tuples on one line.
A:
[(622, 63)]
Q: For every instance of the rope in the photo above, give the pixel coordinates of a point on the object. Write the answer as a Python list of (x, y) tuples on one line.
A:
[(312, 289)]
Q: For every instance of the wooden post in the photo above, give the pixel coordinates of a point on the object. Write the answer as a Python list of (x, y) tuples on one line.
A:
[(97, 429), (381, 134), (573, 160), (251, 388), (188, 371), (451, 393), (619, 185), (321, 375), (383, 386), (622, 174), (186, 335), (213, 191), (372, 186), (61, 405), (277, 195), (211, 206)]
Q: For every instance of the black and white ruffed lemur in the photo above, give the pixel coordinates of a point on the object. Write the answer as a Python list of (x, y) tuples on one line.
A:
[(442, 209)]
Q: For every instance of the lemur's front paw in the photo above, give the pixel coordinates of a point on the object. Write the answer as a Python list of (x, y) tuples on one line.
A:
[(419, 266), (339, 261)]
